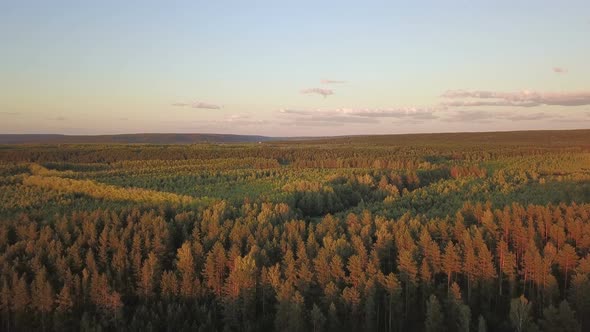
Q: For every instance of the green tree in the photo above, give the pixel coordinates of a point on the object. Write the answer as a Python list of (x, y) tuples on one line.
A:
[(318, 320), (578, 296), (5, 303), (520, 314), (458, 314), (434, 316), (560, 319)]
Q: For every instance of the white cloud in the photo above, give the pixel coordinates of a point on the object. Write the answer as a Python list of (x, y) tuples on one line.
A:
[(522, 99), (326, 81), (243, 120), (57, 118), (319, 91), (357, 116), (488, 116), (198, 104)]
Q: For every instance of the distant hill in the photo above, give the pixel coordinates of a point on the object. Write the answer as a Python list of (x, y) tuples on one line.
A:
[(579, 137), (554, 138), (130, 138)]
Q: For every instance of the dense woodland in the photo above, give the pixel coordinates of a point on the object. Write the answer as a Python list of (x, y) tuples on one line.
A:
[(473, 232)]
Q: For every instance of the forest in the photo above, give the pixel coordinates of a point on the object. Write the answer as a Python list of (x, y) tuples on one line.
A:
[(438, 232)]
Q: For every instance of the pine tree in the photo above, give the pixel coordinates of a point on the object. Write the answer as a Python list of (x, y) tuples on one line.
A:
[(352, 300), (136, 255), (459, 226), (318, 320), (103, 249), (64, 301), (489, 224), (304, 270), (451, 262), (356, 272), (559, 319), (322, 268), (333, 319), (392, 287), (239, 292), (370, 299), (185, 264), (486, 269), (470, 263), (567, 260), (5, 303), (337, 269), (215, 269), (502, 252), (169, 285), (434, 316), (407, 267), (64, 308), (43, 295), (408, 273), (21, 298), (149, 276), (578, 296), (458, 314)]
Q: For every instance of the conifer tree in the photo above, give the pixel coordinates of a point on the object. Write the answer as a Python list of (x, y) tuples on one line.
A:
[(318, 320), (434, 316)]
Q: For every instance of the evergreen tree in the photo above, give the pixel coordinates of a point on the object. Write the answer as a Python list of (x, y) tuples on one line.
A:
[(559, 319), (318, 320), (434, 316), (451, 262)]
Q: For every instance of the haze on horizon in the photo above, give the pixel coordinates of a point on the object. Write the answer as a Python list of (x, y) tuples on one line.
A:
[(293, 69)]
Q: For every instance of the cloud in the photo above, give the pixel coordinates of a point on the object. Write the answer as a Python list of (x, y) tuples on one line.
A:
[(198, 104), (476, 103), (292, 111), (470, 116), (368, 113), (487, 116), (229, 123), (304, 123), (521, 99), (340, 119), (570, 120), (559, 70), (319, 91), (341, 116), (57, 118), (326, 81), (243, 120), (529, 117), (398, 113)]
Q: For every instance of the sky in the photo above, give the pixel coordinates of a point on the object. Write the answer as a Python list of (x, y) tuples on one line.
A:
[(293, 68)]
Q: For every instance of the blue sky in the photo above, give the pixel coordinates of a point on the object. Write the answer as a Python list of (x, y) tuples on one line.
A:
[(287, 68)]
